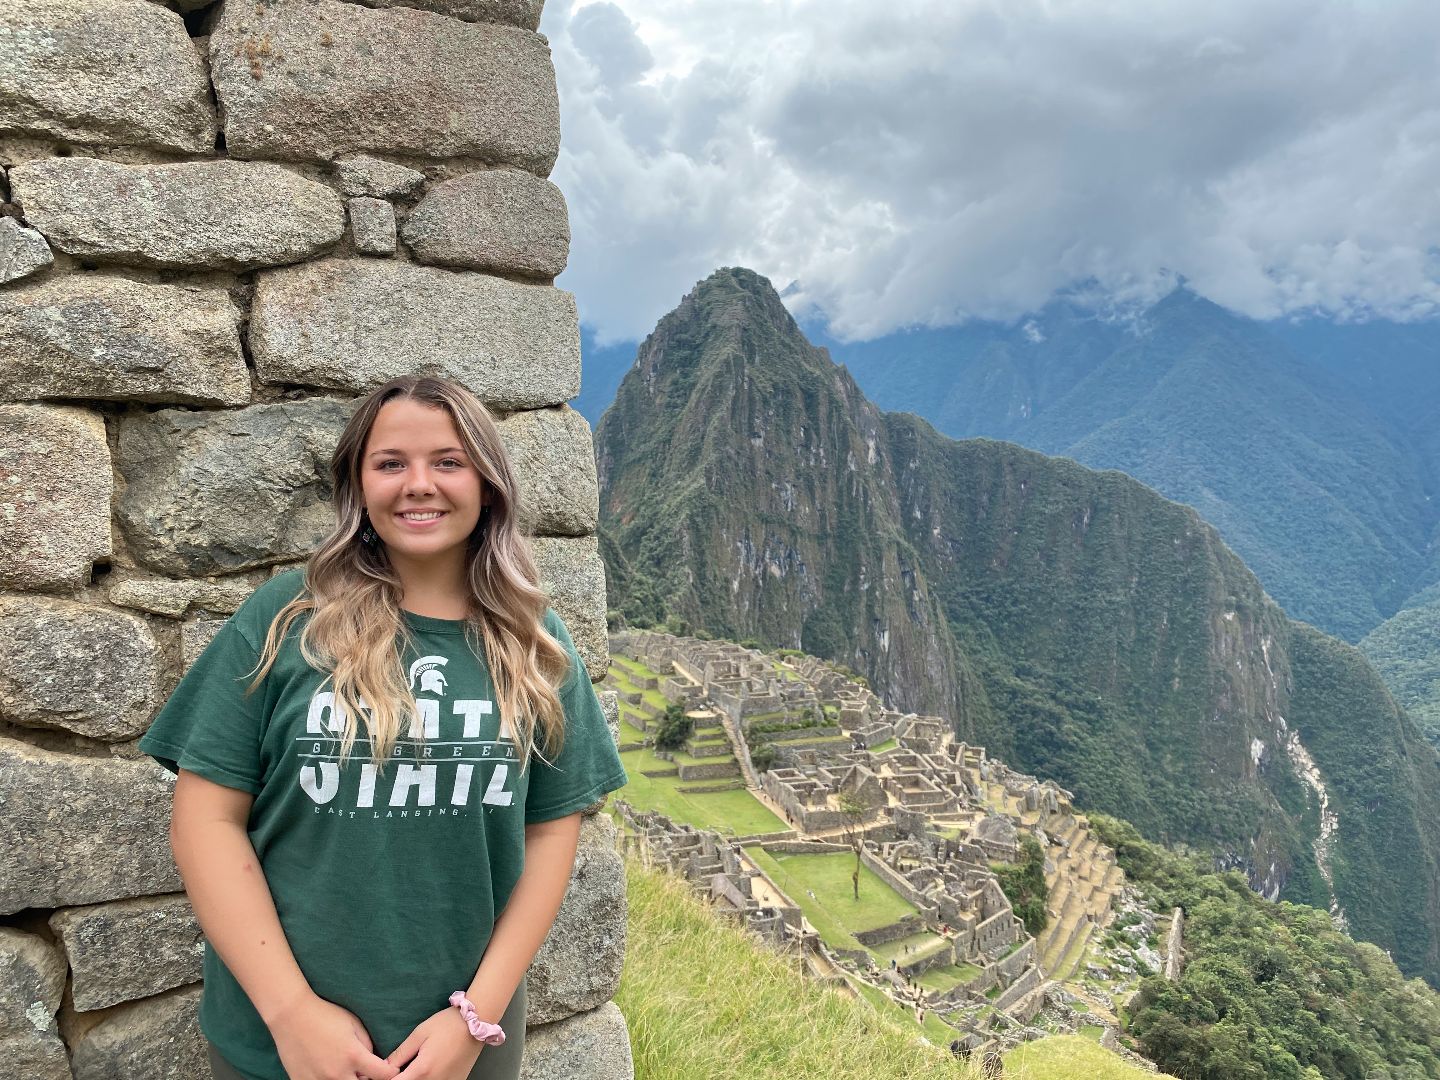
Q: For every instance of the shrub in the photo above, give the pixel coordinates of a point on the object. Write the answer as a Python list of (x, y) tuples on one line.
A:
[(674, 729), (1024, 884)]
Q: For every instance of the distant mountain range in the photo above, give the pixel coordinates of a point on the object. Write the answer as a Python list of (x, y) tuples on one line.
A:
[(1314, 448), (1077, 623)]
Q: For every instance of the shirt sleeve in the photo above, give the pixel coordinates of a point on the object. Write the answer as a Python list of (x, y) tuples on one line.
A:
[(210, 725), (588, 765)]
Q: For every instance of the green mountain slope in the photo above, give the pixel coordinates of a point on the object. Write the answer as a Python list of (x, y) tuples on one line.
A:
[(1078, 623), (1307, 447), (1405, 649)]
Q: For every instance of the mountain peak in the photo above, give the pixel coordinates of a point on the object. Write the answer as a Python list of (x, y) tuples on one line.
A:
[(734, 293), (737, 277), (731, 321)]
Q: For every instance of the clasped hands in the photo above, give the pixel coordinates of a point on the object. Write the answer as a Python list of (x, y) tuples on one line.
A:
[(319, 1040)]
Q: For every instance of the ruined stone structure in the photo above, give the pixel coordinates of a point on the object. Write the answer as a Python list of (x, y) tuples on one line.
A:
[(222, 222), (931, 812)]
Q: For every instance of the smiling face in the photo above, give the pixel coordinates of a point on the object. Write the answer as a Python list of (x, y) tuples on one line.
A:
[(420, 487)]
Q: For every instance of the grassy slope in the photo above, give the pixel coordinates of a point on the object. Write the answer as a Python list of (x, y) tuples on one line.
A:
[(1071, 1055), (703, 1000)]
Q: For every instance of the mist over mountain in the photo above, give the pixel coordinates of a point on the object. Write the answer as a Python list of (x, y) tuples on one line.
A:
[(1075, 621)]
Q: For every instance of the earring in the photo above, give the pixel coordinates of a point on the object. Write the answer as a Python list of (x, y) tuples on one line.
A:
[(368, 536)]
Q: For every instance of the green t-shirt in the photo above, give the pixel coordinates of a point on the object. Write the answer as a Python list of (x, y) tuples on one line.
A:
[(387, 883)]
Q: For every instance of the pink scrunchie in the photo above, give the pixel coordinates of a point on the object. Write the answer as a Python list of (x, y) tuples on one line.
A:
[(486, 1032)]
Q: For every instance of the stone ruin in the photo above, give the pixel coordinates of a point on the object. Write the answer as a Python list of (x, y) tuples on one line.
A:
[(222, 222), (936, 813)]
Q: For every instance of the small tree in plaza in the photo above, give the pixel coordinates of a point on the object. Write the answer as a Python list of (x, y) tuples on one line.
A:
[(855, 810)]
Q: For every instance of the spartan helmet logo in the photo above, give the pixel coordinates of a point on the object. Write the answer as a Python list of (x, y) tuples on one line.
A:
[(432, 679)]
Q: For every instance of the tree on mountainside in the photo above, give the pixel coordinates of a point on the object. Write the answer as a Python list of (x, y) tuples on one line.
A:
[(855, 810)]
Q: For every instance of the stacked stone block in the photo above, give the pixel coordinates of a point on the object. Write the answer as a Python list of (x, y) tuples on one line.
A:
[(221, 223)]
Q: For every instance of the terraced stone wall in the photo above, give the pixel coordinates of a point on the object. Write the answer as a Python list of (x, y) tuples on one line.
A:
[(221, 223)]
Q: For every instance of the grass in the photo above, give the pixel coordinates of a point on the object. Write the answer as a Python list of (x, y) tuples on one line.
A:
[(703, 1000), (935, 1029), (623, 673), (760, 718), (636, 718), (651, 697), (917, 944), (629, 731), (1068, 1057), (735, 812), (880, 748), (812, 740), (682, 758), (784, 672), (632, 667), (834, 912), (947, 976)]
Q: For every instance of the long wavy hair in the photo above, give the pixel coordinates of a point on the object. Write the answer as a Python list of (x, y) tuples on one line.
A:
[(355, 631)]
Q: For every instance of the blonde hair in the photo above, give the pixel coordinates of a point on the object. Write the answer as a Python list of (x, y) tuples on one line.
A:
[(356, 631)]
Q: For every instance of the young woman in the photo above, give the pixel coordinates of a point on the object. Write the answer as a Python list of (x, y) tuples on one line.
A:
[(381, 763)]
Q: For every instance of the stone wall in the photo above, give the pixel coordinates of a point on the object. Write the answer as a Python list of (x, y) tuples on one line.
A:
[(221, 223)]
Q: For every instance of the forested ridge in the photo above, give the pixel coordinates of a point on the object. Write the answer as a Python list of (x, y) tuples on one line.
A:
[(1269, 991)]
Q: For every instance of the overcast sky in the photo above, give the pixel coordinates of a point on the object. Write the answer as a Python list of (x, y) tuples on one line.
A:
[(903, 162)]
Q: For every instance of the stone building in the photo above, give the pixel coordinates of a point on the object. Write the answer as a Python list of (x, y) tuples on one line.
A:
[(222, 222)]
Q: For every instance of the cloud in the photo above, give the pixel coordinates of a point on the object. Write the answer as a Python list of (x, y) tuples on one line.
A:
[(921, 163)]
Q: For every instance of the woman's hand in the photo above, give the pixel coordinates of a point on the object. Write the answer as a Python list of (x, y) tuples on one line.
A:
[(318, 1040), (441, 1048)]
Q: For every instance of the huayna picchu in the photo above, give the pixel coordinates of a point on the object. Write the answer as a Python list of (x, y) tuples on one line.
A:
[(1077, 624)]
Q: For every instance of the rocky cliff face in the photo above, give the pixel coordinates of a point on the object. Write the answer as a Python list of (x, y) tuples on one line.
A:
[(1074, 621)]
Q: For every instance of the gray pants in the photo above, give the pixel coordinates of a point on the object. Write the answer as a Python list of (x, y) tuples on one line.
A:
[(494, 1063)]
